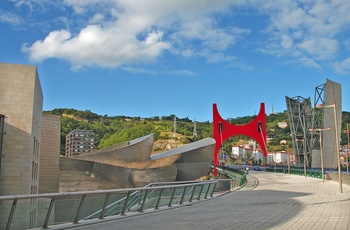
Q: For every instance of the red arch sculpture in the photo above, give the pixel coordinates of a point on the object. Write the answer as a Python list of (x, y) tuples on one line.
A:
[(222, 130)]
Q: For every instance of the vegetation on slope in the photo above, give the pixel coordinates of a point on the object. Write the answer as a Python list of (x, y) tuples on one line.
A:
[(116, 129)]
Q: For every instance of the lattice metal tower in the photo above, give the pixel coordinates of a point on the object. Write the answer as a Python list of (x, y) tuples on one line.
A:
[(300, 119), (317, 121), (328, 94)]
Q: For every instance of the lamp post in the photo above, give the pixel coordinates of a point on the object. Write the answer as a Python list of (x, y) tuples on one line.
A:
[(337, 143), (322, 165)]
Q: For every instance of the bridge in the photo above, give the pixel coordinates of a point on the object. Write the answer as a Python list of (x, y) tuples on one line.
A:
[(268, 201)]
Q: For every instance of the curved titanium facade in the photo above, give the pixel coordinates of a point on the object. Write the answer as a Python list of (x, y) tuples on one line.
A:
[(130, 165)]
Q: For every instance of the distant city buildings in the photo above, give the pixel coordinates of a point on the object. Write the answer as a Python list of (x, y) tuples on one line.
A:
[(79, 141), (243, 151), (278, 158)]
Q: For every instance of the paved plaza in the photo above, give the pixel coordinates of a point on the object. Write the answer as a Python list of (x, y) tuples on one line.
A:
[(277, 201)]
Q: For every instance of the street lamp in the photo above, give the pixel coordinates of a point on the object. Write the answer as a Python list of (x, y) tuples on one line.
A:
[(337, 143), (322, 165)]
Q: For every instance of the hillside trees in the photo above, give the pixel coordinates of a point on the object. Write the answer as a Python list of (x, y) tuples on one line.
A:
[(116, 129)]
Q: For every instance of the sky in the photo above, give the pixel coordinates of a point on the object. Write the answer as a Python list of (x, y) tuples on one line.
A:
[(159, 57)]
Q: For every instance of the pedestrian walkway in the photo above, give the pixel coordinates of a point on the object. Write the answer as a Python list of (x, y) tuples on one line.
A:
[(273, 201)]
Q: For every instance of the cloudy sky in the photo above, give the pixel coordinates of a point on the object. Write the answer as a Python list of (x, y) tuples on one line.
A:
[(159, 57)]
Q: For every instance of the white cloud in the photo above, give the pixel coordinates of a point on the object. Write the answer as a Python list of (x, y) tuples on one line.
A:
[(321, 49), (130, 31), (347, 44), (139, 70), (10, 18), (95, 46), (182, 72), (343, 67), (37, 6), (309, 62), (96, 18), (307, 30), (123, 32)]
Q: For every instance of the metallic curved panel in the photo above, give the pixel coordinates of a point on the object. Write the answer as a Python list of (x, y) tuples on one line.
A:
[(137, 150), (103, 169)]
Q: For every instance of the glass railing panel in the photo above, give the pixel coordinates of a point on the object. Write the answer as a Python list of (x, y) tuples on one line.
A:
[(135, 201), (43, 205), (92, 204), (152, 199), (32, 213), (188, 193), (177, 195), (5, 209), (165, 198), (23, 217), (115, 204), (65, 209), (205, 189), (197, 190)]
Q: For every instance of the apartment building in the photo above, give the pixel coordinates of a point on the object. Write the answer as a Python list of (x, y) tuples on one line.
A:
[(79, 141)]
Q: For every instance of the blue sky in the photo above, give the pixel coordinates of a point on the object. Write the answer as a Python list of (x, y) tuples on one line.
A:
[(157, 58)]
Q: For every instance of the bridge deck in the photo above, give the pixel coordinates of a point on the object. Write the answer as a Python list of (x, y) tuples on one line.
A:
[(277, 201)]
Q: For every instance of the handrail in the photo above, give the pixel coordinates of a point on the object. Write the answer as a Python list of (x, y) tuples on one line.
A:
[(154, 195), (93, 205)]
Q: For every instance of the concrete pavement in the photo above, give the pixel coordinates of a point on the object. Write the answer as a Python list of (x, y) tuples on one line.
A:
[(277, 201)]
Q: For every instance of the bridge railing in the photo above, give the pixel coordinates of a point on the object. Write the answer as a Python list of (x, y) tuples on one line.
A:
[(330, 174), (44, 210), (315, 173)]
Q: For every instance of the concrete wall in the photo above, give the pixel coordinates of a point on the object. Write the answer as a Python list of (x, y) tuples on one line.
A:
[(333, 94), (49, 154), (21, 101)]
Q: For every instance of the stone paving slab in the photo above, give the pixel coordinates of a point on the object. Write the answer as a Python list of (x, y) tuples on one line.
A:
[(279, 201)]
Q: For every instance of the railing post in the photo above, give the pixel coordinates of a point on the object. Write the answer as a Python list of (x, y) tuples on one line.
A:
[(194, 189), (159, 198), (76, 220), (13, 208), (212, 192), (183, 195), (172, 196), (52, 202), (125, 204), (104, 207), (206, 193), (200, 192), (144, 201), (220, 186)]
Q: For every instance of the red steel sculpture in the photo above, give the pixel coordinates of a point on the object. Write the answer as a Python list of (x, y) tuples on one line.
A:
[(222, 130)]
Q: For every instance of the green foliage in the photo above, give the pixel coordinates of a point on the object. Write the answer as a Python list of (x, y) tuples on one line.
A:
[(117, 129)]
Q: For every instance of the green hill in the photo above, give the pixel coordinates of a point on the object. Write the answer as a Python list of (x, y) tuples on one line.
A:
[(116, 129)]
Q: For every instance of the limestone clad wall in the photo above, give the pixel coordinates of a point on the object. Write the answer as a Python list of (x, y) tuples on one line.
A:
[(49, 154), (21, 101)]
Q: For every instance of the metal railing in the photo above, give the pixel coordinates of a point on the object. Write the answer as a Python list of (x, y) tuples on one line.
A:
[(52, 209)]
